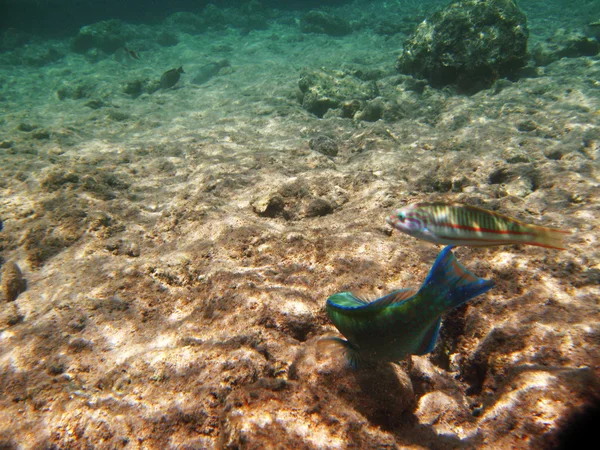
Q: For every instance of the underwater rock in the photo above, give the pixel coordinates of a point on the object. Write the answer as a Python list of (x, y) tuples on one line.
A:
[(324, 23), (108, 36), (206, 72), (170, 78), (269, 206), (318, 207), (322, 91), (324, 145), (470, 44), (13, 282)]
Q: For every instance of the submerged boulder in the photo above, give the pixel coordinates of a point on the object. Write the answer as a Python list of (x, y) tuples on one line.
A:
[(470, 44)]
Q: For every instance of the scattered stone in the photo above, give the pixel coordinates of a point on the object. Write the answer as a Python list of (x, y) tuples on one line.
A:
[(324, 145), (9, 315), (13, 282), (41, 134), (493, 43), (118, 116), (527, 126), (95, 104), (134, 88), (27, 127), (269, 206), (318, 207), (97, 220), (6, 144), (324, 23), (80, 344)]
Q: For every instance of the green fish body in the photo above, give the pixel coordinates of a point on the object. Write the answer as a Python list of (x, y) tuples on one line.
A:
[(456, 224), (403, 322)]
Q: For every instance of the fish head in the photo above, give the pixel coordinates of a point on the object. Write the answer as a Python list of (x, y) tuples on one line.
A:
[(408, 220), (413, 221)]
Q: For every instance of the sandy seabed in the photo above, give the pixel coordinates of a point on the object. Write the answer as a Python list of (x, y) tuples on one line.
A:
[(165, 309)]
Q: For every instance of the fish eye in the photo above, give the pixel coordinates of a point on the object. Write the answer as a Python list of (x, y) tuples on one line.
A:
[(401, 216)]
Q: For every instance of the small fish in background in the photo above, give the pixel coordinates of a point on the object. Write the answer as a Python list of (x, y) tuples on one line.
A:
[(458, 224), (404, 322), (131, 53), (125, 55), (170, 78), (207, 71)]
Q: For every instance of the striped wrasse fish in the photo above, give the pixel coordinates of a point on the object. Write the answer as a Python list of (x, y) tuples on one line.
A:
[(404, 322), (456, 224)]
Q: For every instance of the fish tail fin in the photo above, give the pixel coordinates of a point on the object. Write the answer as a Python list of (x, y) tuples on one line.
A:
[(450, 278), (331, 345), (548, 237)]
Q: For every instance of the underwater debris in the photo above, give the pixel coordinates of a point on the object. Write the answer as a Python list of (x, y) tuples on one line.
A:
[(457, 224), (404, 322), (170, 78)]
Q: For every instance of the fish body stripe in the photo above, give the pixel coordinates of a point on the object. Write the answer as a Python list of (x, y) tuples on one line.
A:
[(484, 230)]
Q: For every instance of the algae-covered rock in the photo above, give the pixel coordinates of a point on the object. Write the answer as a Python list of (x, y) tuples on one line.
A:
[(324, 144), (322, 91), (470, 44), (108, 36)]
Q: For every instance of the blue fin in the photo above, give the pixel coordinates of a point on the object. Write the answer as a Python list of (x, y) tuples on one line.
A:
[(334, 344), (461, 284), (430, 338)]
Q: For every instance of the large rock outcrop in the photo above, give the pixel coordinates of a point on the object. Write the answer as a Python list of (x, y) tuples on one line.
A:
[(470, 44)]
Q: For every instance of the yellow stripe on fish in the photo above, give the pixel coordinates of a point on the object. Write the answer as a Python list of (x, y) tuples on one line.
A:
[(453, 223)]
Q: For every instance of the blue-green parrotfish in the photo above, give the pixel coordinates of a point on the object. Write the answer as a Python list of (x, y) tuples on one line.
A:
[(404, 322)]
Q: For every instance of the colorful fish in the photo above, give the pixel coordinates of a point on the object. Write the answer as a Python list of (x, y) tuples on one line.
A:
[(457, 224), (404, 322)]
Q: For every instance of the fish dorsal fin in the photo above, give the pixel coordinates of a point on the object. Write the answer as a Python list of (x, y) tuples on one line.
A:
[(393, 298), (430, 338), (346, 300)]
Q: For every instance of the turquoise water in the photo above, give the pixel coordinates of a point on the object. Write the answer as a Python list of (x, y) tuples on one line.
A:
[(184, 184)]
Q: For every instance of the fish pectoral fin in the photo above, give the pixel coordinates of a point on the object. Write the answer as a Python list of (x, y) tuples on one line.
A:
[(395, 297), (430, 338), (331, 345)]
